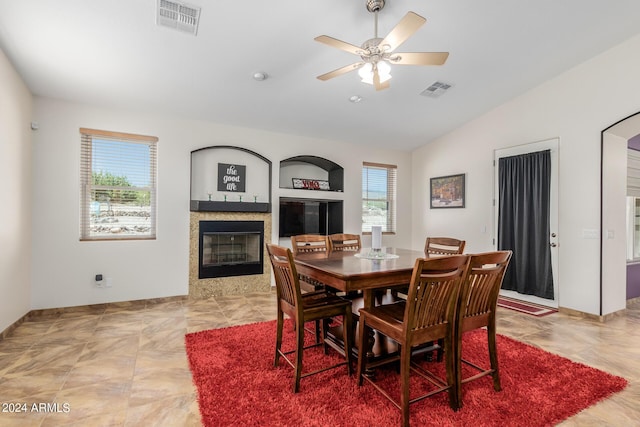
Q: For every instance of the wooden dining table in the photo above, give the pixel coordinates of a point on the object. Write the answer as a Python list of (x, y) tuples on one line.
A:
[(350, 271)]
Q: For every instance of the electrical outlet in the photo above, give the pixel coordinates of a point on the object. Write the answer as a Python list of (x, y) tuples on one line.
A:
[(109, 283)]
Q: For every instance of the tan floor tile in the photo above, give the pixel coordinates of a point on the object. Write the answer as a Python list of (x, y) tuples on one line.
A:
[(69, 420), (44, 383), (169, 412), (125, 364), (98, 398)]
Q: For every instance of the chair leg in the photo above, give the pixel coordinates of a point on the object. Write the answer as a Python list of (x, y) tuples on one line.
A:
[(458, 369), (361, 349), (317, 331), (450, 356), (298, 355), (493, 356), (280, 324), (347, 336), (324, 327), (405, 360), (440, 350)]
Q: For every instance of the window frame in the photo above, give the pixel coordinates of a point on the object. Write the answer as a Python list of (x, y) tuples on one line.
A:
[(86, 185), (390, 227)]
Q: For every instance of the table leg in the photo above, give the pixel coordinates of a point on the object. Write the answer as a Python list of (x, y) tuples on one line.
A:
[(369, 302)]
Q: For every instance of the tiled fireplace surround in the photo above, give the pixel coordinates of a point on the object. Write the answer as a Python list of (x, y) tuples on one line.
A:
[(236, 285)]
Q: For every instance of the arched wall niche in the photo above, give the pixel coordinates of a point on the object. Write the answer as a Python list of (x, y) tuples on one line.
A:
[(229, 179), (307, 167)]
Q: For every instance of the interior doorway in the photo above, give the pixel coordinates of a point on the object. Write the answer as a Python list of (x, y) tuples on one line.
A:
[(552, 238), (613, 225)]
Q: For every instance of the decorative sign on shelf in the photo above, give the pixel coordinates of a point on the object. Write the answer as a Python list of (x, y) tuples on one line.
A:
[(310, 184), (231, 177)]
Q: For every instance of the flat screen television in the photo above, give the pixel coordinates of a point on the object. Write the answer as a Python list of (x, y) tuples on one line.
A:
[(302, 217), (310, 216)]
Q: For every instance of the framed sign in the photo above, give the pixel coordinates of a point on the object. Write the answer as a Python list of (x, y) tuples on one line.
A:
[(310, 184), (232, 177), (447, 192)]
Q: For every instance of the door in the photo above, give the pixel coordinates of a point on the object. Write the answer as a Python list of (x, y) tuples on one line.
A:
[(552, 238)]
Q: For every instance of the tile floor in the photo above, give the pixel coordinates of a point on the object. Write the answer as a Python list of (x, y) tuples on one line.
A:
[(125, 364)]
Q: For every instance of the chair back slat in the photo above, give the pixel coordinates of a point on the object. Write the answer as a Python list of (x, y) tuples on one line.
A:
[(433, 292), (442, 246), (479, 294), (344, 242), (305, 243), (284, 271)]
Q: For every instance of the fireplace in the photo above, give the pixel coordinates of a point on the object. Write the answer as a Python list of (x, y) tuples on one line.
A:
[(230, 248)]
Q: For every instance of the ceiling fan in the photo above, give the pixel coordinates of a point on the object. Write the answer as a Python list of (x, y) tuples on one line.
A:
[(376, 54)]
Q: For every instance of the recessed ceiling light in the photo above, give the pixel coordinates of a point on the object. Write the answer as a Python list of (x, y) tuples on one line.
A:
[(260, 76), (355, 99)]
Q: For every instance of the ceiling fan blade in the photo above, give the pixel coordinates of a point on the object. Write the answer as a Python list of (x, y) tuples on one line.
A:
[(401, 32), (340, 71), (419, 58), (339, 44)]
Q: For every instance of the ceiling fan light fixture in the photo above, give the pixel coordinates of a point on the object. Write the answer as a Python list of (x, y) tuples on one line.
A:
[(366, 72)]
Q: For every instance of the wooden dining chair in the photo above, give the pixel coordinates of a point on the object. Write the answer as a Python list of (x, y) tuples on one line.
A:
[(309, 243), (428, 315), (304, 243), (439, 246), (344, 242), (477, 309), (434, 247), (304, 308)]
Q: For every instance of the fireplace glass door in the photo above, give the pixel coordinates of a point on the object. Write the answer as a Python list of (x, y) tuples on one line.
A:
[(230, 248)]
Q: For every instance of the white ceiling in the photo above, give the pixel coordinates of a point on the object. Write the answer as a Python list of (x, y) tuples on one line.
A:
[(111, 53)]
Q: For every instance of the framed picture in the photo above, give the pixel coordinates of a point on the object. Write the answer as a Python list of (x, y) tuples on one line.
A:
[(447, 192)]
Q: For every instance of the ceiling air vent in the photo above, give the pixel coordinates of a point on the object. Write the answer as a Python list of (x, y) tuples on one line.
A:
[(436, 89), (180, 16)]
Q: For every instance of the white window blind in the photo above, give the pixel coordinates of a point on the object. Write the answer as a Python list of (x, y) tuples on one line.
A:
[(379, 197), (117, 185), (633, 173)]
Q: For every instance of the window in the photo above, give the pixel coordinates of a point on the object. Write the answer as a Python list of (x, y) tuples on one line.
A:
[(378, 197), (633, 205), (633, 228), (117, 186)]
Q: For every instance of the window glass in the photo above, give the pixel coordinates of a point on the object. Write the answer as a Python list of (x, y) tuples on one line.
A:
[(118, 186), (378, 197)]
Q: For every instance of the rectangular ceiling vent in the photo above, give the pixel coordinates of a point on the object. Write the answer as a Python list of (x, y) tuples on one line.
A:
[(436, 89), (180, 16)]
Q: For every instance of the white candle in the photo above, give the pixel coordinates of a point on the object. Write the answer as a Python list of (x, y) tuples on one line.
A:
[(376, 237)]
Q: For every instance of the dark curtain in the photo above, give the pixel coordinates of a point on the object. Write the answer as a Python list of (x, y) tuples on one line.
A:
[(523, 222)]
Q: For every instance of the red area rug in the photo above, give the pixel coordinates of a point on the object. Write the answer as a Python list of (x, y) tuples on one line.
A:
[(525, 307), (238, 386)]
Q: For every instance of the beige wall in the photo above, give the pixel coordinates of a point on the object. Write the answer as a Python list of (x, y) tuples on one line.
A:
[(15, 193), (575, 107), (64, 268)]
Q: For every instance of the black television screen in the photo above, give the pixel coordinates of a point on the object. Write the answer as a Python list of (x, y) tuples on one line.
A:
[(302, 217)]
